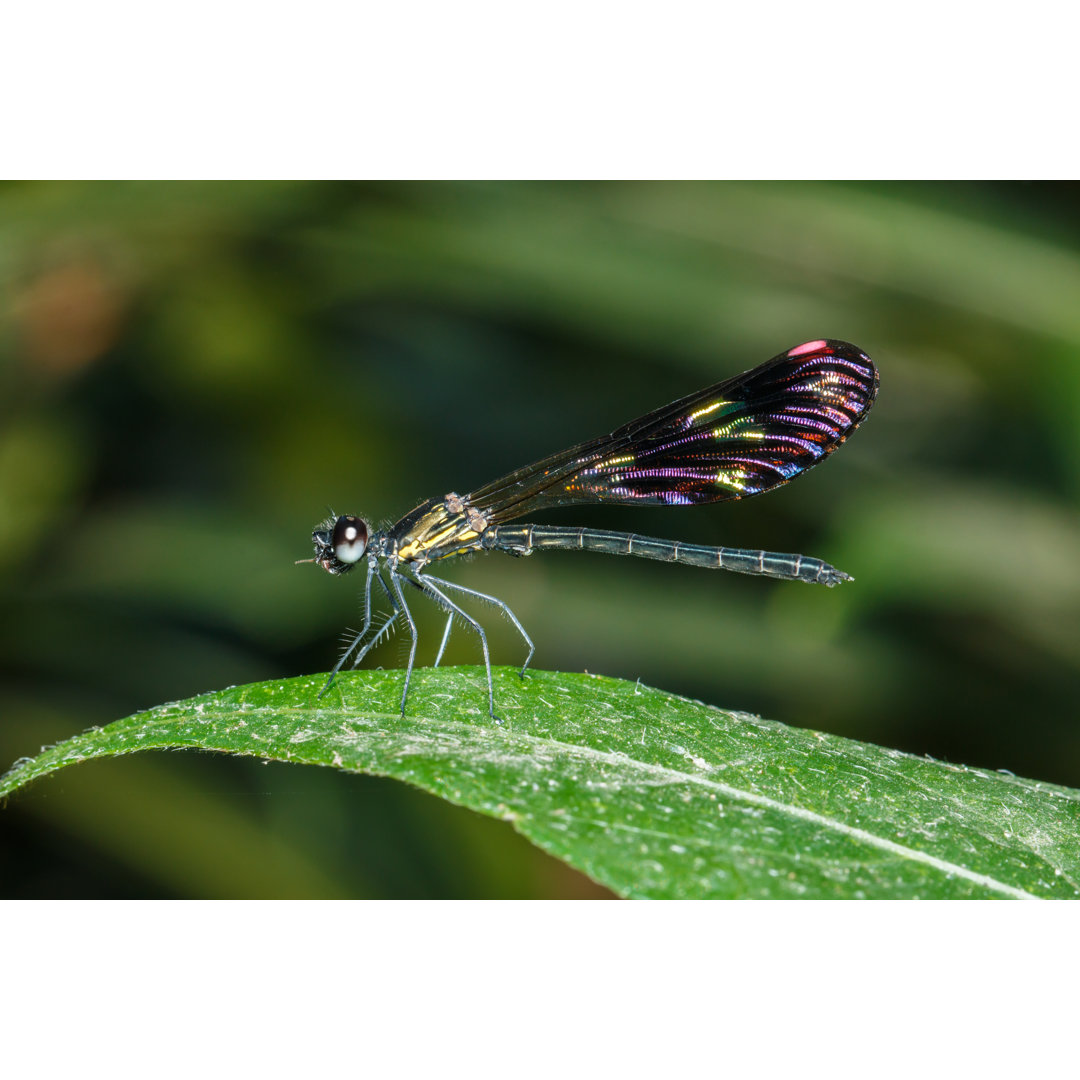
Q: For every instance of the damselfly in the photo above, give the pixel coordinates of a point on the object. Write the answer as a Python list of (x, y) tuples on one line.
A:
[(741, 437)]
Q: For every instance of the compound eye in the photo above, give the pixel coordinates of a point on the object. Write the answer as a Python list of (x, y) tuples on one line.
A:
[(350, 538)]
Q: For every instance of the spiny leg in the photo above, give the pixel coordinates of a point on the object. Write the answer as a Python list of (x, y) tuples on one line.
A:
[(359, 637), (449, 623), (499, 604), (389, 594), (395, 581), (427, 585), (376, 638), (395, 611)]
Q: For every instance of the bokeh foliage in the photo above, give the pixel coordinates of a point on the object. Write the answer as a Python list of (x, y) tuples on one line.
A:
[(190, 374)]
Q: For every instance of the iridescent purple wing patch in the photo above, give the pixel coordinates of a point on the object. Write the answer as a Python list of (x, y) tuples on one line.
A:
[(744, 436)]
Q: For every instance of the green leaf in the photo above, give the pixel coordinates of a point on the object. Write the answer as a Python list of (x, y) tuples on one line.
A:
[(651, 794)]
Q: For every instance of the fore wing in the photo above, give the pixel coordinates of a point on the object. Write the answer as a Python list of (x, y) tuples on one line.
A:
[(741, 437)]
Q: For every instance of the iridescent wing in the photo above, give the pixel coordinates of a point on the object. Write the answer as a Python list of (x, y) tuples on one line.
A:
[(741, 437)]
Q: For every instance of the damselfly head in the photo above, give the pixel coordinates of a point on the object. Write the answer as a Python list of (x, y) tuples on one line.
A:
[(340, 543)]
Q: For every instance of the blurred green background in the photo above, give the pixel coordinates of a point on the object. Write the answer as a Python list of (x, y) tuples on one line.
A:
[(190, 374)]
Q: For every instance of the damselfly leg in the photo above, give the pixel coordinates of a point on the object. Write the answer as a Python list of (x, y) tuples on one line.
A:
[(445, 639), (376, 638), (395, 582), (427, 584), (505, 608), (360, 636)]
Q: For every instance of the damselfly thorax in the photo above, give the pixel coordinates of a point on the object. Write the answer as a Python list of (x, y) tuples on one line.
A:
[(742, 437)]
